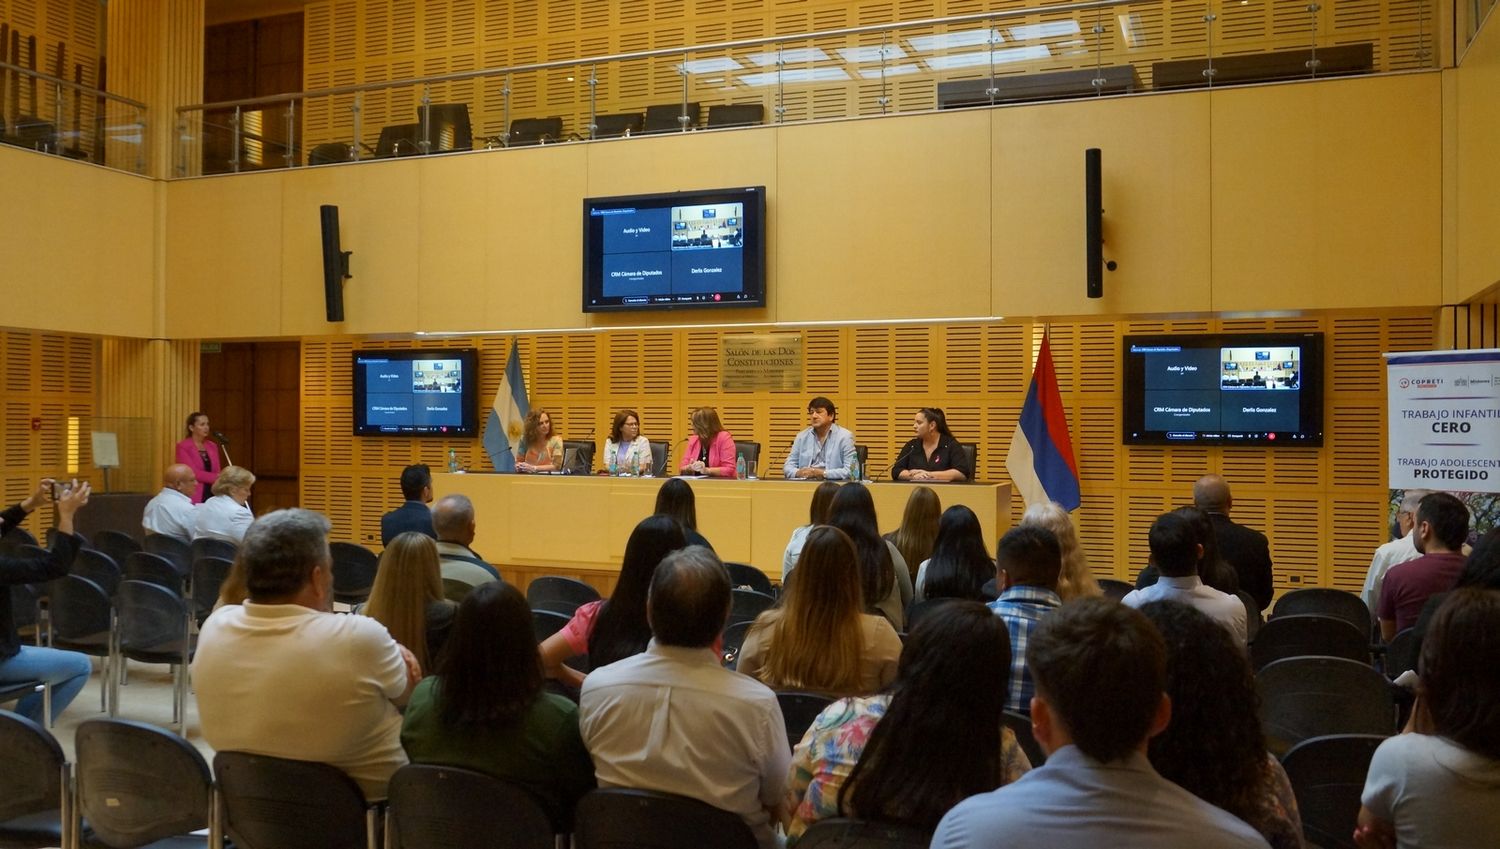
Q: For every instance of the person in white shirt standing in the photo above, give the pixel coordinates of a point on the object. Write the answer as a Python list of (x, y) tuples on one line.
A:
[(1396, 551), (171, 511)]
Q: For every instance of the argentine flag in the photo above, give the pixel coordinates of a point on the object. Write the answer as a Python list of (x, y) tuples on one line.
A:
[(502, 431), (1040, 461)]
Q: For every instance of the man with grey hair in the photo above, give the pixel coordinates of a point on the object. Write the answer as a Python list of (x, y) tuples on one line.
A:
[(282, 675), (1398, 550), (1246, 549), (672, 719), (463, 570)]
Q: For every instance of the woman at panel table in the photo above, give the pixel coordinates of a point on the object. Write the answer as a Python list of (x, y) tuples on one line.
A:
[(933, 455), (541, 450), (200, 454), (710, 450), (626, 450)]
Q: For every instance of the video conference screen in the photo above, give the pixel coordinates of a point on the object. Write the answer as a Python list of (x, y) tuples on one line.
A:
[(666, 251), (416, 393), (1244, 389)]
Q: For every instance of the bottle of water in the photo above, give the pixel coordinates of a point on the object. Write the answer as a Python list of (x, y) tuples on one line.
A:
[(854, 471), (739, 466), (452, 460), (614, 465)]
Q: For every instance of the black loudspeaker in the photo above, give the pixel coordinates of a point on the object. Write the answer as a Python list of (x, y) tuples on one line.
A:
[(1093, 214), (335, 264)]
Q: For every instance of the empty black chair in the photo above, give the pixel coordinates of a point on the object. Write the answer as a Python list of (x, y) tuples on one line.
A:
[(798, 710), (97, 567), (671, 117), (745, 575), (209, 574), (659, 458), (750, 451), (722, 115), (1114, 589), (529, 131), (842, 833), (578, 456), (1305, 697), (745, 605), (1253, 619), (545, 623), (1401, 654), (213, 547), (155, 569), (329, 153), (1020, 725), (354, 569), (33, 133), (398, 140), (34, 808), (1322, 601), (117, 544), (971, 456), (1305, 634), (139, 784), (275, 803), (177, 552), (734, 640), (559, 595), (615, 126), (1328, 775), (441, 807), (620, 818), (81, 619), (448, 127), (153, 627)]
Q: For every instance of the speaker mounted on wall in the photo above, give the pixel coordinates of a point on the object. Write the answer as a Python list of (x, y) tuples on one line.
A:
[(1093, 223), (335, 264)]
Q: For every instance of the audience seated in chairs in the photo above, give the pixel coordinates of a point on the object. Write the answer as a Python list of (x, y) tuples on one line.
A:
[(819, 637), (1176, 551), (408, 598), (486, 710), (453, 521), (917, 534), (940, 745), (170, 511), (675, 499), (884, 578), (1075, 581), (960, 565), (1212, 569), (1442, 527), (1028, 560), (617, 627), (817, 514)]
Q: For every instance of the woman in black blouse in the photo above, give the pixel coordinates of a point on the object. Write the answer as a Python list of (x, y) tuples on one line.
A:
[(934, 455)]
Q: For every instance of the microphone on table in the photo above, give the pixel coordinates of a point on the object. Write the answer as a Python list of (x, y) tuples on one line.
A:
[(904, 455)]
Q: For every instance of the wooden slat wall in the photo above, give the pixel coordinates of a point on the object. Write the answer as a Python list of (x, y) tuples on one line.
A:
[(49, 378), (1324, 508), (154, 381), (155, 50)]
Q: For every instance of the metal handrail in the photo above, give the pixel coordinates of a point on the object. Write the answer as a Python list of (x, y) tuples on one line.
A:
[(97, 92)]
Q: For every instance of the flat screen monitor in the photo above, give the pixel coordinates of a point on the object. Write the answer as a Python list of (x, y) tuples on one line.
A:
[(676, 250), (416, 393), (1223, 389)]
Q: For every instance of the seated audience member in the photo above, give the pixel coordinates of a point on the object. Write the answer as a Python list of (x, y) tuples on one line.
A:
[(825, 450), (407, 597), (1398, 550), (233, 590), (941, 745), (453, 521), (933, 454), (626, 447), (1100, 672), (1075, 581), (710, 450), (1442, 526), (615, 628), (170, 512), (883, 576), (817, 514), (1175, 552), (1214, 747), (227, 514), (675, 499), (1028, 560), (1246, 550), (819, 638), (66, 671), (1212, 569), (1481, 569), (485, 709), (672, 719), (960, 566), (540, 450), (919, 526), (1438, 784), (414, 515), (282, 675)]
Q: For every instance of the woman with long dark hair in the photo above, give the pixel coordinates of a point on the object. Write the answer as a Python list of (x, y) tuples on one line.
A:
[(933, 454), (486, 709), (817, 514), (960, 564), (1214, 747), (615, 628), (883, 577), (930, 741), (675, 499), (919, 527)]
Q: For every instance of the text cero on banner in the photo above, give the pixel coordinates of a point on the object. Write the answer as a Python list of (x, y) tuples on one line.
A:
[(1443, 429)]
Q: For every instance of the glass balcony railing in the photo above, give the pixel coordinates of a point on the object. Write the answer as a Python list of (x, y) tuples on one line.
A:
[(1071, 50), (52, 115)]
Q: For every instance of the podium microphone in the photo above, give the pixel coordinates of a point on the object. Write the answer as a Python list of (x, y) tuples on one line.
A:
[(224, 446)]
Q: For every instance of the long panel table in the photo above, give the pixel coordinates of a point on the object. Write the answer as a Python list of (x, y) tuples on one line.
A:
[(562, 524)]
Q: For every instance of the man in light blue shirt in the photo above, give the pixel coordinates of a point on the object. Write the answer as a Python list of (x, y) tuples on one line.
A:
[(825, 451)]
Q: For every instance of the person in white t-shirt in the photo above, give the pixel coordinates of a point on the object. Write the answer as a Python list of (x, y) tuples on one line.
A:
[(1395, 552), (171, 511)]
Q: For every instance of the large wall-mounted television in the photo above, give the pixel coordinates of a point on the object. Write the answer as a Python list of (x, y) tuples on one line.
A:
[(416, 393), (676, 250), (1223, 389)]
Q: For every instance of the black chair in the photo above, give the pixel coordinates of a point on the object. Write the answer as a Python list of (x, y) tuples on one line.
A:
[(177, 552), (1253, 619), (448, 127), (842, 833), (545, 623), (671, 117), (862, 453), (745, 605), (33, 134), (1114, 589), (97, 567), (26, 606), (81, 618), (213, 547), (117, 544), (354, 568), (275, 803), (722, 115), (155, 569), (659, 451), (153, 626), (745, 575), (209, 574), (329, 153), (798, 710), (559, 595), (1328, 776), (578, 456), (971, 456), (530, 131), (1020, 725), (1322, 601), (751, 452), (1305, 697), (734, 640), (1306, 634), (621, 818), (398, 140), (139, 784), (34, 801), (441, 807), (615, 126), (1402, 653)]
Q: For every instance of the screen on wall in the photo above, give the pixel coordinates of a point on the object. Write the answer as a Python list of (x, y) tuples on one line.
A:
[(1224, 389), (677, 250), (416, 393)]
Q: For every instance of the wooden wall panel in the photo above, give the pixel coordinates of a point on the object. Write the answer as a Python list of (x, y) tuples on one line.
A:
[(48, 385), (153, 382)]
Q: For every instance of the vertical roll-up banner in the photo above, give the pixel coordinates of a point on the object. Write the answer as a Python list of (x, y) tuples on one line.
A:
[(1443, 430)]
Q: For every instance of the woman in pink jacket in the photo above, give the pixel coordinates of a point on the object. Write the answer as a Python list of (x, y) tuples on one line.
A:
[(710, 450), (200, 454)]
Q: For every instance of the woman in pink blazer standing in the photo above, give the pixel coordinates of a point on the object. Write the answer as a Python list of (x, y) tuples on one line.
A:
[(710, 450), (200, 454)]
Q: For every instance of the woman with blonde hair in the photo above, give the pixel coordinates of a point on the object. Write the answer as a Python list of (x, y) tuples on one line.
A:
[(919, 527), (1075, 580), (710, 450), (227, 514), (819, 638), (541, 449), (407, 597)]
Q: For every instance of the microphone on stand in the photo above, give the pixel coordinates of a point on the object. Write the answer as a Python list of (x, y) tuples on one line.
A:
[(680, 444), (903, 456), (223, 446)]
